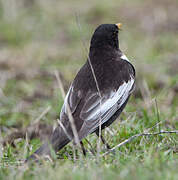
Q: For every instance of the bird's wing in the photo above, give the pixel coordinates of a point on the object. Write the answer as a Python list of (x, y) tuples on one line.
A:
[(72, 100), (96, 109)]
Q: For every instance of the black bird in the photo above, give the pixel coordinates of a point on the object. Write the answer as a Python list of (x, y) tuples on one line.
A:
[(115, 77)]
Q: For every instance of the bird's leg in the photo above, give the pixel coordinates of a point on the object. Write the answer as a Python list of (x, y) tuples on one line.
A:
[(91, 148), (83, 148), (103, 140)]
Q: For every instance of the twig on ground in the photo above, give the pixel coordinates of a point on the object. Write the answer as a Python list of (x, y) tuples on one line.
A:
[(138, 135)]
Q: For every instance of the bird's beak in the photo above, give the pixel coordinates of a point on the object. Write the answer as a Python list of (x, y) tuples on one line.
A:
[(119, 25)]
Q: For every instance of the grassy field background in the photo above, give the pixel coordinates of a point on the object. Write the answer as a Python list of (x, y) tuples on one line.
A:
[(38, 37)]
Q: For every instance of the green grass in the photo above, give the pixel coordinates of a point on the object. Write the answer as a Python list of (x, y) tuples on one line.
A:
[(38, 37)]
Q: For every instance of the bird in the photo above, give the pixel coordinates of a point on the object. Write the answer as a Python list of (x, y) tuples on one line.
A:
[(98, 93)]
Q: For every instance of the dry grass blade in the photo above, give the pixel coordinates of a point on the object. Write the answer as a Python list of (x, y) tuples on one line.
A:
[(71, 119), (97, 86), (157, 113), (1, 146), (157, 124), (26, 146), (42, 114), (99, 139), (64, 129)]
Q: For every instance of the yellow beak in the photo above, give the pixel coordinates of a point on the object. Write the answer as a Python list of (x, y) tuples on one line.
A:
[(119, 25)]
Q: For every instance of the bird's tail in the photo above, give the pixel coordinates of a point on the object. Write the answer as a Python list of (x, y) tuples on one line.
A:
[(57, 141)]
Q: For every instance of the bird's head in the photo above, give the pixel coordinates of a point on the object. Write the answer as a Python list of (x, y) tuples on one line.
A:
[(106, 35)]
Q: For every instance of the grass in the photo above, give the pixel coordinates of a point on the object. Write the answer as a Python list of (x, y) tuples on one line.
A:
[(38, 37)]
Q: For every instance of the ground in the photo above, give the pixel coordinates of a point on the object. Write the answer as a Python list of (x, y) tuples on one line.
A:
[(38, 37)]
